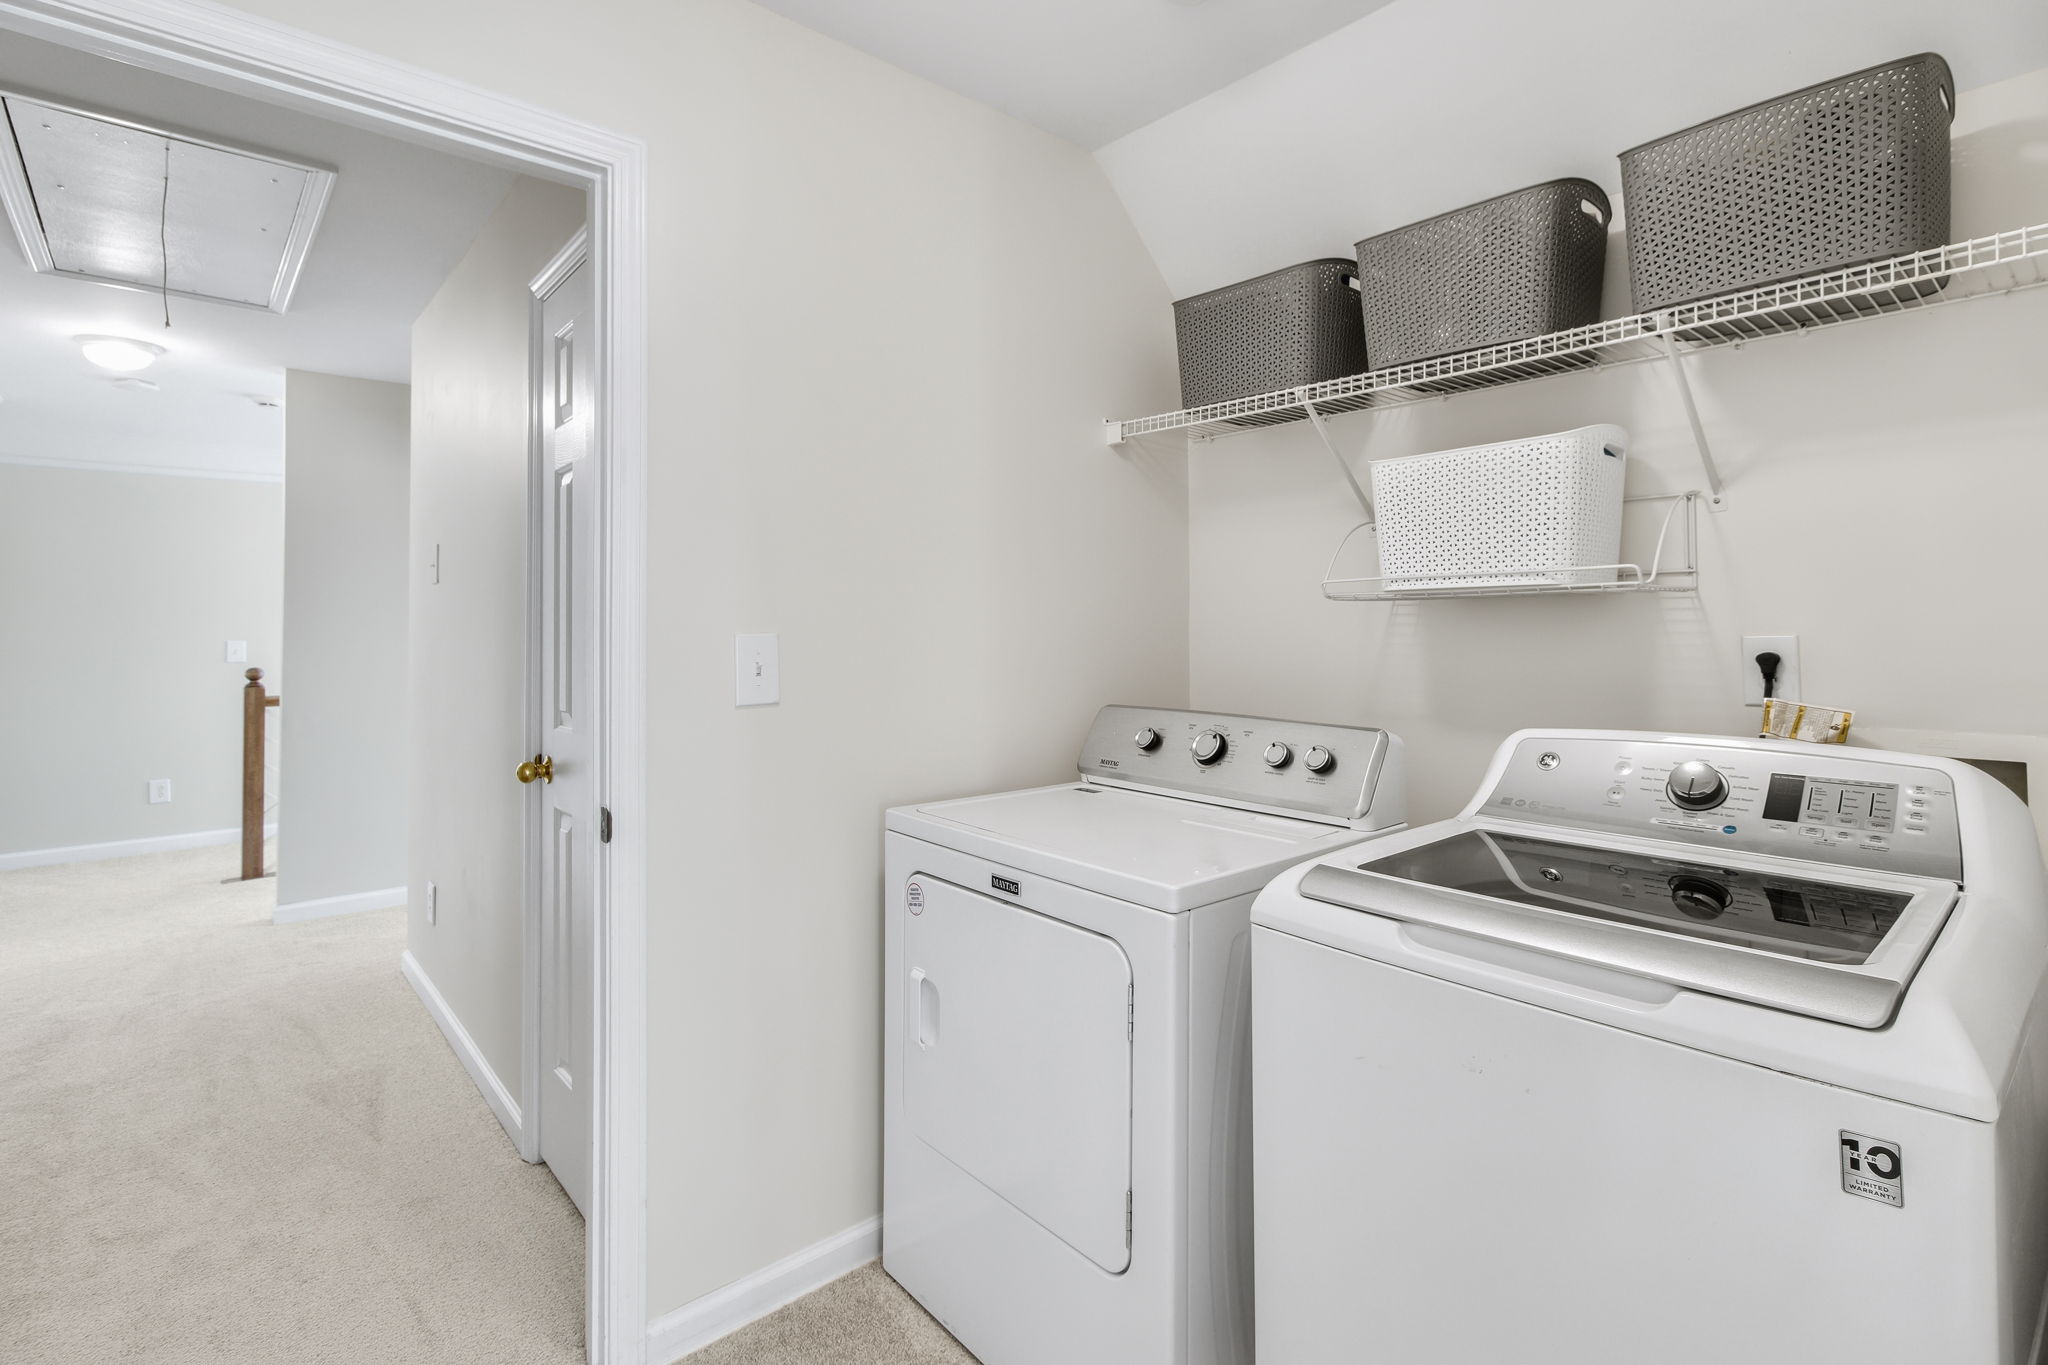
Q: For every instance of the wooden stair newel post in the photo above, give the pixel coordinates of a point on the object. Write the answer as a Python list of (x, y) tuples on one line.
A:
[(254, 704)]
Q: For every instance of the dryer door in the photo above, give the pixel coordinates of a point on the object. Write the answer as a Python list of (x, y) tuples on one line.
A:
[(1017, 1059)]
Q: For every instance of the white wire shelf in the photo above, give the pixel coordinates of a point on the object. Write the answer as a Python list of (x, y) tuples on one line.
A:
[(1979, 268), (1673, 567)]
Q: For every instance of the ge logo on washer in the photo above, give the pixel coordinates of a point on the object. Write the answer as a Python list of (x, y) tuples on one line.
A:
[(914, 898), (1874, 1168)]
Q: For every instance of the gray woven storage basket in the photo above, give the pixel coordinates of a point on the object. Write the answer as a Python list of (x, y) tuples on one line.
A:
[(1838, 174), (1292, 327), (1514, 266)]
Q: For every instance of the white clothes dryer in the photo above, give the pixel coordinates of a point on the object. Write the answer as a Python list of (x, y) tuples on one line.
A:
[(1067, 1088), (1668, 1048)]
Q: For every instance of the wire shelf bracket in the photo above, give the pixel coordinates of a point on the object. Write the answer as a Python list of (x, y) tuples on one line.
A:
[(1674, 566), (1323, 430), (1711, 471)]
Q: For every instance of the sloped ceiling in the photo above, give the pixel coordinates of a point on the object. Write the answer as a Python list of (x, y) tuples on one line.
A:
[(1088, 70), (1426, 105)]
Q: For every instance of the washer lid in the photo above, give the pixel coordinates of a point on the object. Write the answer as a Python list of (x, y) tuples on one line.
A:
[(1764, 931), (1170, 853)]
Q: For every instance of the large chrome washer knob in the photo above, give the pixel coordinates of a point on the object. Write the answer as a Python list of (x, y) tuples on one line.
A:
[(1146, 739), (1696, 785), (1209, 747), (1318, 759), (1278, 755)]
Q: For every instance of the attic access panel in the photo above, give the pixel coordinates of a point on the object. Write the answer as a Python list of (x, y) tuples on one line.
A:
[(97, 197)]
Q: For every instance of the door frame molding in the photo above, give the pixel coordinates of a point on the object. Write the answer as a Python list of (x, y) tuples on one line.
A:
[(574, 252), (240, 52)]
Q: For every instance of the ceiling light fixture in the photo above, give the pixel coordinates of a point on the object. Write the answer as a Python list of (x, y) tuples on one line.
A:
[(118, 353)]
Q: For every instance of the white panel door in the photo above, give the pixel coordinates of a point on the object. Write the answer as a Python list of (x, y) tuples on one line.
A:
[(570, 815), (1017, 1059)]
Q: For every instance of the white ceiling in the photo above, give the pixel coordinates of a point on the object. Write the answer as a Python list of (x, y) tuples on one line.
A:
[(400, 217), (1088, 70), (1426, 105)]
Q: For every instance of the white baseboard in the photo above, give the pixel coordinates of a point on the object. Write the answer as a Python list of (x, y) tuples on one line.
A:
[(123, 848), (338, 905), (700, 1322), (472, 1057)]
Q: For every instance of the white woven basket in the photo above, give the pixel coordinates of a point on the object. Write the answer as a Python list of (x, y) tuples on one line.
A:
[(1529, 512)]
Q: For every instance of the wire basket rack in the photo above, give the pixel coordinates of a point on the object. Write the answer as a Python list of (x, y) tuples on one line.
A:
[(1671, 566)]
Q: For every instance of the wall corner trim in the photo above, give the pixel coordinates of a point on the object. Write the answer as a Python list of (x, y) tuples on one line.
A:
[(494, 1092), (702, 1321)]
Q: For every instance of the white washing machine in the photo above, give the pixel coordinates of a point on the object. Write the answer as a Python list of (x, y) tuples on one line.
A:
[(1673, 1049), (1067, 1088)]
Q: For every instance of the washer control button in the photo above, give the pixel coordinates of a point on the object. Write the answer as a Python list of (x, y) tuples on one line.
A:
[(1146, 739), (1318, 759), (1209, 747), (1278, 755)]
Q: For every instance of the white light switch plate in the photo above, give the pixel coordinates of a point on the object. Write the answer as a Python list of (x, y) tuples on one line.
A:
[(159, 790), (238, 651), (1786, 647), (756, 670)]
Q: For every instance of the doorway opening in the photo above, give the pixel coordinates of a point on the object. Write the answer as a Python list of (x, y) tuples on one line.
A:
[(248, 56)]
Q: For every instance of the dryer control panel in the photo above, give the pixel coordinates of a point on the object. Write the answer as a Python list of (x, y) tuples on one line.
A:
[(1342, 774), (1823, 807)]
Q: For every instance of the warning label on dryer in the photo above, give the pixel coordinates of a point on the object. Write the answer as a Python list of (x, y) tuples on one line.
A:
[(1873, 1168)]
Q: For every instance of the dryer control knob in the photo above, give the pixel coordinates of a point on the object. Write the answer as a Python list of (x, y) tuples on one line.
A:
[(1209, 747), (1696, 785), (1318, 759), (1278, 755), (1146, 739)]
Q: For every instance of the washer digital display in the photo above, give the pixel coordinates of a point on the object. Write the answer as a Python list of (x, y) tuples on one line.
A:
[(1794, 799)]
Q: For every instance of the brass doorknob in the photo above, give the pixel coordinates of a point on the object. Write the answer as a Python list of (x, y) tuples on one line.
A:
[(537, 766)]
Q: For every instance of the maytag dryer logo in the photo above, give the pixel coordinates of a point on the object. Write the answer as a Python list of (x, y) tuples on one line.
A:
[(1874, 1168)]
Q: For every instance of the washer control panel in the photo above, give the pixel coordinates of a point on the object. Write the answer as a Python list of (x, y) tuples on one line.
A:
[(1327, 772), (1825, 807)]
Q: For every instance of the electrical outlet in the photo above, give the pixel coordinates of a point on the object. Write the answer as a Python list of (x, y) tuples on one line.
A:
[(159, 790), (433, 902), (1786, 647), (238, 651)]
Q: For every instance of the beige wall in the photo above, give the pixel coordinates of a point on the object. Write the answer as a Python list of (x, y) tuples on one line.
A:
[(886, 325), (342, 799), (1886, 481), (118, 593), (469, 499)]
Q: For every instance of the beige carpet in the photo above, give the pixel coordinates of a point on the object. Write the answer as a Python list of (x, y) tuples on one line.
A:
[(225, 1142), (864, 1319)]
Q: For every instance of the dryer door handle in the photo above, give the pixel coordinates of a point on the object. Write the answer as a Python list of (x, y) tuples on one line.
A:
[(925, 1008)]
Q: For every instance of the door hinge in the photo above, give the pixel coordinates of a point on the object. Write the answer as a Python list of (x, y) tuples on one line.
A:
[(1127, 1220), (604, 824)]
